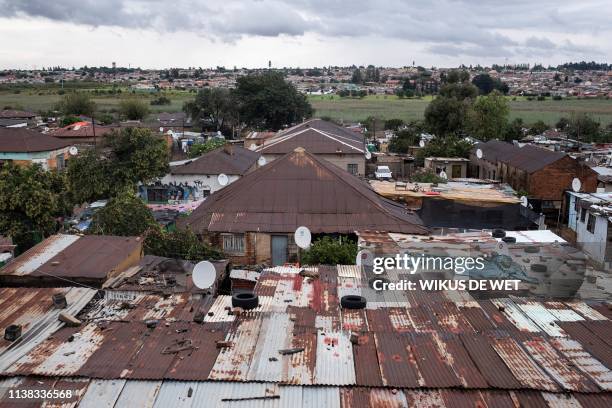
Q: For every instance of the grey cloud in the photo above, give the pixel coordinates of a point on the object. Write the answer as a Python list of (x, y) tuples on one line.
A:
[(446, 27)]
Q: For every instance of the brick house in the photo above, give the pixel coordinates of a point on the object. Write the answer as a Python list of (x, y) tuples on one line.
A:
[(541, 174), (253, 219)]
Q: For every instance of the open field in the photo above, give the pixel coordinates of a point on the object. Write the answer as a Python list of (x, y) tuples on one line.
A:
[(387, 107), (45, 98)]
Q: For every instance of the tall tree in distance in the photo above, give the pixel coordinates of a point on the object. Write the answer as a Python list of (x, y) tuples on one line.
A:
[(268, 102), (488, 117), (77, 103), (212, 107)]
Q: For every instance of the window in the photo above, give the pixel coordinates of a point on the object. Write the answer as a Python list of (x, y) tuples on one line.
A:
[(583, 213), (591, 224), (233, 243), (61, 163), (352, 168)]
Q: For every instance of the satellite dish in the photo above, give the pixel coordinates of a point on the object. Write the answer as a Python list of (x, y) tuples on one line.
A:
[(443, 175), (204, 275), (73, 150), (422, 143), (479, 153), (262, 161), (302, 237), (524, 201), (576, 184), (161, 130), (364, 258), (368, 154), (223, 179), (253, 147)]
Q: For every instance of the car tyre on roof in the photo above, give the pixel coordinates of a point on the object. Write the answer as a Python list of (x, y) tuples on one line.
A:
[(245, 300), (353, 302)]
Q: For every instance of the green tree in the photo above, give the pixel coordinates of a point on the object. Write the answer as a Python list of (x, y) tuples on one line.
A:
[(267, 101), (562, 123), (213, 106), (357, 77), (77, 103), (486, 84), (130, 156), (133, 109), (584, 128), (124, 215), (450, 146), (31, 201), (446, 116), (403, 140), (330, 251), (198, 149), (514, 130), (393, 124), (488, 117), (538, 128), (183, 244)]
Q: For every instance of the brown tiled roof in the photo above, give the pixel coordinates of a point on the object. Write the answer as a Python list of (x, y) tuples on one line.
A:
[(25, 140), (16, 114), (220, 161), (318, 137), (301, 189), (528, 158)]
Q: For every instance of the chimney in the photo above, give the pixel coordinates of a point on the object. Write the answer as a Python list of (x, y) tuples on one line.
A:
[(228, 148)]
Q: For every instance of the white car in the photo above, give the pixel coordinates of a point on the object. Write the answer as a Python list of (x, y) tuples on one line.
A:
[(383, 173)]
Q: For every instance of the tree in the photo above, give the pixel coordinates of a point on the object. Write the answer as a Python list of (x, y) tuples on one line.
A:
[(198, 149), (562, 123), (330, 251), (427, 176), (77, 103), (31, 200), (583, 128), (124, 215), (267, 101), (213, 106), (133, 109), (450, 146), (446, 116), (403, 140), (183, 244), (488, 117), (514, 130), (486, 84), (393, 124), (538, 128), (357, 77), (130, 156)]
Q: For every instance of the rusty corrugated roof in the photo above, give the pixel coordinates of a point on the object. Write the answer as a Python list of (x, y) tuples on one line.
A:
[(21, 140)]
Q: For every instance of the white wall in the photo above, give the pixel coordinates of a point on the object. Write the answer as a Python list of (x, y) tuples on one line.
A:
[(594, 244)]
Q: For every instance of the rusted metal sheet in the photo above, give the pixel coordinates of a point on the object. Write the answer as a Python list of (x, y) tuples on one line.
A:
[(586, 311), (559, 368), (354, 320), (218, 312), (38, 255), (102, 393), (349, 271), (477, 318), (604, 308), (522, 366), (301, 368), (233, 362), (428, 350), (590, 341), (574, 352), (397, 361), (424, 398), (529, 399), (268, 364), (602, 329), (542, 317), (334, 361), (372, 397), (367, 366), (452, 350), (488, 362), (400, 321), (516, 315), (560, 400), (603, 400), (461, 398), (498, 399), (448, 318)]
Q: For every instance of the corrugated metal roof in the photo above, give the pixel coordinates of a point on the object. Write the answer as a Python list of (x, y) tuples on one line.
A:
[(230, 160), (40, 254), (334, 361), (20, 140)]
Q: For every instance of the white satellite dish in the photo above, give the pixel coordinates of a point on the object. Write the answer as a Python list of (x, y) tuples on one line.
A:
[(576, 184), (73, 150), (223, 179), (253, 147), (368, 154), (302, 237), (364, 258), (161, 130), (443, 175), (204, 275), (262, 161), (422, 143), (524, 201), (479, 153)]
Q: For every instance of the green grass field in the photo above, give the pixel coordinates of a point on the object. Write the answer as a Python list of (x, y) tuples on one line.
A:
[(45, 98), (388, 107)]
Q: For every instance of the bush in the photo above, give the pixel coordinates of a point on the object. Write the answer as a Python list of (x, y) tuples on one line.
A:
[(331, 251), (182, 244), (162, 100), (133, 109), (427, 176), (124, 215), (199, 149), (77, 103)]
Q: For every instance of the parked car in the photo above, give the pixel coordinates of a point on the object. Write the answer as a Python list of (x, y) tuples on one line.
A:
[(383, 173)]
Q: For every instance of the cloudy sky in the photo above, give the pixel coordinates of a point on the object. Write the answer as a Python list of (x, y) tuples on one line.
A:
[(207, 33)]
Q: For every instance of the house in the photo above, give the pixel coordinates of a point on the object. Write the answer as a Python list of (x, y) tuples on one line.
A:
[(255, 139), (338, 145), (198, 178), (10, 118), (590, 217), (540, 174), (253, 219), (83, 133), (23, 146), (453, 167), (62, 259)]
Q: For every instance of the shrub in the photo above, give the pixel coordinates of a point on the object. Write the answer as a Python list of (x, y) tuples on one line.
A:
[(331, 251)]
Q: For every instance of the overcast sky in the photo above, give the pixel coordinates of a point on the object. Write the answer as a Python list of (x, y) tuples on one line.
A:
[(182, 33)]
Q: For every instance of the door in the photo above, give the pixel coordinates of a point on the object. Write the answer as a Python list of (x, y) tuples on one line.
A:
[(456, 171), (279, 250)]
